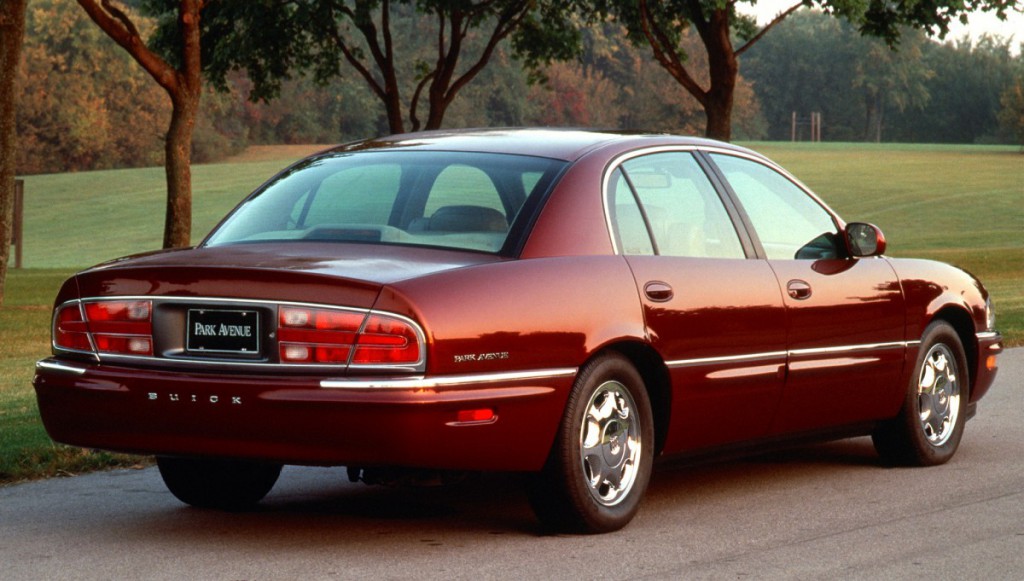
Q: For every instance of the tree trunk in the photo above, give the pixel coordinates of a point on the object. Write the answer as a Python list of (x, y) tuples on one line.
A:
[(178, 167), (873, 118), (718, 112), (12, 32), (724, 69)]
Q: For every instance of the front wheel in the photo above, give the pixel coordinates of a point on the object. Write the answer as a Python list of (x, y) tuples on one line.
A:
[(601, 461), (223, 484), (929, 427)]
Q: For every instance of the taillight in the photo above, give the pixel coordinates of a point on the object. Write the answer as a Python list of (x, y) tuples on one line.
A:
[(115, 327), (69, 329), (307, 335), (388, 341)]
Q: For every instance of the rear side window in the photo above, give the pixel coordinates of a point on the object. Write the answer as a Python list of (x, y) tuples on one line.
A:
[(449, 199), (667, 197)]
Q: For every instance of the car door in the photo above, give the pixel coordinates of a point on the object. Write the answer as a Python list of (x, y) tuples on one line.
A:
[(713, 313), (845, 316)]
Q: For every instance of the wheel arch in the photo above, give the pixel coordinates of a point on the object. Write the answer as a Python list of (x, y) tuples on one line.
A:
[(656, 379)]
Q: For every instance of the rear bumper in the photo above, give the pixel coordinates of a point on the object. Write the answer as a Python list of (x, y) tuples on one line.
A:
[(292, 419)]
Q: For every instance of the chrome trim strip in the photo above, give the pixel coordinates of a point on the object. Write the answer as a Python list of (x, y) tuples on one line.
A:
[(59, 367), (727, 359), (446, 381), (791, 353), (849, 348), (987, 335)]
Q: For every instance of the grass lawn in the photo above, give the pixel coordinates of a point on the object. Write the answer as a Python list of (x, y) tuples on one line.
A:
[(958, 204)]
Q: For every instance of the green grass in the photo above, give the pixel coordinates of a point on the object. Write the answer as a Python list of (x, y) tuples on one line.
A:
[(958, 204)]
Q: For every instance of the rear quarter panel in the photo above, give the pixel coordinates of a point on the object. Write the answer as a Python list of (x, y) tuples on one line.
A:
[(522, 314)]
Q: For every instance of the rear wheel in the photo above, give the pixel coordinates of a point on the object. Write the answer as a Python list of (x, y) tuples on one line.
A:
[(222, 484), (929, 427), (600, 464)]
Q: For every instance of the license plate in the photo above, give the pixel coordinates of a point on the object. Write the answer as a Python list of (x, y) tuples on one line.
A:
[(223, 331)]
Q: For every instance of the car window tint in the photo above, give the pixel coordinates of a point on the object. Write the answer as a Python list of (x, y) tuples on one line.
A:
[(360, 195), (630, 230), (686, 216), (789, 223), (444, 199)]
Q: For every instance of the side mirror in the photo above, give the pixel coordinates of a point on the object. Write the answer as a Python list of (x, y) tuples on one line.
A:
[(864, 239)]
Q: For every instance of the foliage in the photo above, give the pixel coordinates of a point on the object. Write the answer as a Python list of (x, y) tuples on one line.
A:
[(412, 55), (923, 92), (83, 102), (1011, 116), (659, 24), (965, 104)]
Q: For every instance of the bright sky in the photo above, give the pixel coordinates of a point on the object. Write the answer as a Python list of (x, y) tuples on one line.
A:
[(978, 24)]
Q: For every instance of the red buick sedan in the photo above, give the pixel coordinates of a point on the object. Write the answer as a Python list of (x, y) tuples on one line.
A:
[(562, 303)]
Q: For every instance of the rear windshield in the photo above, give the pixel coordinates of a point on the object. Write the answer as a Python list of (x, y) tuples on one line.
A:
[(462, 200)]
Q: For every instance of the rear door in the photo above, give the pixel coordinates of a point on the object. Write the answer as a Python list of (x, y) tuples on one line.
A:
[(712, 310)]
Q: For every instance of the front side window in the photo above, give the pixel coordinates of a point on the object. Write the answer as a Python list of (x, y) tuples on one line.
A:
[(447, 199), (789, 223)]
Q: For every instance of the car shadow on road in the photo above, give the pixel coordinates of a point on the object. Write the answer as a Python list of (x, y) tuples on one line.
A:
[(320, 506)]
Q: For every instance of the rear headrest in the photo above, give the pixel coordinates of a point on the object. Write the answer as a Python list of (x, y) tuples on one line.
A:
[(467, 219)]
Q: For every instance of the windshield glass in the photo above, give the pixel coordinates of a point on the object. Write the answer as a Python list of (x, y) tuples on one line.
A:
[(451, 199)]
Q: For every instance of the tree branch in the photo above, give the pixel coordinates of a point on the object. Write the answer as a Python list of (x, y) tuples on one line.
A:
[(666, 54), (129, 39), (356, 63), (507, 23), (779, 18)]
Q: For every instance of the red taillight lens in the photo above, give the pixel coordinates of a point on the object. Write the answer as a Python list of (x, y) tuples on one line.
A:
[(386, 340), (121, 327), (136, 311), (118, 327), (69, 330), (309, 335), (317, 335)]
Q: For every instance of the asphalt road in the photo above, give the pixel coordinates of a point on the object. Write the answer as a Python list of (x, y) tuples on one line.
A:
[(816, 512)]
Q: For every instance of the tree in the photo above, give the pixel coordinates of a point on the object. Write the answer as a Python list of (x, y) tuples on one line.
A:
[(183, 84), (1011, 116), (659, 24), (273, 39), (12, 32), (888, 78)]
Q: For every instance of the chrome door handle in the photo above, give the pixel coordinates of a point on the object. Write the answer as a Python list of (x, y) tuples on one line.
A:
[(798, 289), (658, 291)]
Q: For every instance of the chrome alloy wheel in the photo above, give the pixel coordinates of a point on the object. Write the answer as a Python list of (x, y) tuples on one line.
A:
[(938, 394), (610, 443)]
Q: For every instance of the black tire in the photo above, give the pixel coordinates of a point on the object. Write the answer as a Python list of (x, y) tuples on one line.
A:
[(231, 485), (939, 387), (571, 494)]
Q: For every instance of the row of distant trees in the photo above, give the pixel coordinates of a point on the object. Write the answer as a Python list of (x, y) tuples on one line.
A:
[(382, 66), (84, 105)]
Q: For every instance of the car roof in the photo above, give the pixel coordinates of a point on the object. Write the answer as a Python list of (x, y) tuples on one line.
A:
[(555, 143)]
